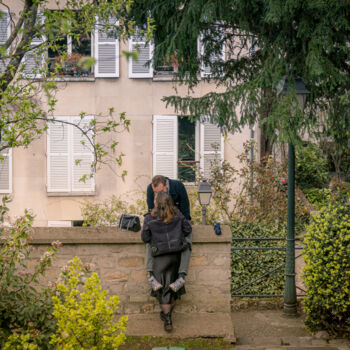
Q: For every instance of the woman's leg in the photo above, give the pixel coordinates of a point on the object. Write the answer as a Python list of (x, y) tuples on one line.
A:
[(166, 308), (165, 316)]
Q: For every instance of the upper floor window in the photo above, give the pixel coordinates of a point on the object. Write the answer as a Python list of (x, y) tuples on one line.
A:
[(145, 67), (67, 51), (64, 54)]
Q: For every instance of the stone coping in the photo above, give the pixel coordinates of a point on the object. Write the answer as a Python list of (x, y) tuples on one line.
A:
[(112, 235)]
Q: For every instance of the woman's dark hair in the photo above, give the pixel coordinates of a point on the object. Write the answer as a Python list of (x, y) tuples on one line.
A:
[(164, 208)]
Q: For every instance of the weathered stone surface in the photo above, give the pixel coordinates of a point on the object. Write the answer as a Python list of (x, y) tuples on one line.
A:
[(119, 259), (198, 261), (138, 298), (116, 276), (220, 260), (147, 308), (132, 261), (132, 308), (105, 261), (139, 276), (211, 275)]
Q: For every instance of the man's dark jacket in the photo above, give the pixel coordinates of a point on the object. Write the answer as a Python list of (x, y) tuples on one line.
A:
[(177, 192), (166, 238)]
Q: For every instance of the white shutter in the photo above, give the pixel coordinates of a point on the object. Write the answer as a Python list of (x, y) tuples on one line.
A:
[(165, 146), (6, 171), (205, 69), (211, 147), (140, 68), (34, 59), (82, 156), (4, 34), (58, 169), (106, 52)]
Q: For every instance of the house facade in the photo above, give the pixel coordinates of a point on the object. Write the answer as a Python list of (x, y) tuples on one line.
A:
[(45, 176)]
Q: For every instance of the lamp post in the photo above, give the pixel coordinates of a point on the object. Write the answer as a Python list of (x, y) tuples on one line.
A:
[(290, 297), (204, 195)]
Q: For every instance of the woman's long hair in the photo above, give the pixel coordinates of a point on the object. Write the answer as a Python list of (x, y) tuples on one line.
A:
[(164, 208)]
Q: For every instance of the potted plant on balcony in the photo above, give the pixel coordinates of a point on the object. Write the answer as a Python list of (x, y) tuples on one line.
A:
[(70, 64)]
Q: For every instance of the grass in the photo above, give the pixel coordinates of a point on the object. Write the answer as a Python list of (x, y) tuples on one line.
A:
[(149, 342)]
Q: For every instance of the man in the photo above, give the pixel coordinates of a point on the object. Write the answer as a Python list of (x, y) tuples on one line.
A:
[(178, 193)]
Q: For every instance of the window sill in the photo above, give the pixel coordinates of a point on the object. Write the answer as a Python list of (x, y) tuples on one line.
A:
[(165, 78), (71, 194), (72, 79)]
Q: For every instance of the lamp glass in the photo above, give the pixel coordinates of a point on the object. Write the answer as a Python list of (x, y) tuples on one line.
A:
[(204, 198), (301, 99)]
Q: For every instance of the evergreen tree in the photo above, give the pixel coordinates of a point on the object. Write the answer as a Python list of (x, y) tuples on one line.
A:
[(264, 40)]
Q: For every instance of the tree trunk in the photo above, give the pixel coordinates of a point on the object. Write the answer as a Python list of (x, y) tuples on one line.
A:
[(266, 142)]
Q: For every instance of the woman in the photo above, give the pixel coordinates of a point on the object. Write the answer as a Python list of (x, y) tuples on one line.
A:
[(165, 229)]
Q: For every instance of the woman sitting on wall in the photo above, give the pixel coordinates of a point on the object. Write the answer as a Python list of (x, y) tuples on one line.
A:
[(165, 229)]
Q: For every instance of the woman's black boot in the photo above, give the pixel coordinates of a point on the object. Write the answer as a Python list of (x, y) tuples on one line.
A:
[(168, 324)]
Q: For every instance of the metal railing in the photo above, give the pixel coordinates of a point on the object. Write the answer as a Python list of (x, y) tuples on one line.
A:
[(265, 273)]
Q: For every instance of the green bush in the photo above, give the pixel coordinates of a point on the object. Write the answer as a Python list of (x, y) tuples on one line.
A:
[(85, 317), (109, 211), (327, 270), (25, 307), (310, 167), (20, 342), (255, 262), (318, 197)]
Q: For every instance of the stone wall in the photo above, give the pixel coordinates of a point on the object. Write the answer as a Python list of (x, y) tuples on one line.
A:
[(119, 260)]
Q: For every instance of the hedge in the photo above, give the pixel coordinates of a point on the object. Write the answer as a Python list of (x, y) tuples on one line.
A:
[(327, 270)]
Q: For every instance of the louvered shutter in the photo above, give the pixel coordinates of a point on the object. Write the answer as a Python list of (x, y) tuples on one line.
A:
[(82, 156), (106, 52), (165, 146), (211, 147), (205, 69), (4, 34), (34, 59), (140, 67), (58, 162), (6, 171)]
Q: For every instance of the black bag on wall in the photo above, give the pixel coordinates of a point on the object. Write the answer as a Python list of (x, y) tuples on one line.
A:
[(129, 222)]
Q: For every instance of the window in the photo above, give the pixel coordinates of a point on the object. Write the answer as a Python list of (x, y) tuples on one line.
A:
[(69, 156), (68, 51), (140, 67), (186, 156), (34, 59), (106, 51), (4, 34), (143, 67), (179, 145), (218, 47), (6, 171)]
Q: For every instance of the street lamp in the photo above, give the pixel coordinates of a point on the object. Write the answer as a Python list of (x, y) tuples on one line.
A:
[(290, 295), (204, 195)]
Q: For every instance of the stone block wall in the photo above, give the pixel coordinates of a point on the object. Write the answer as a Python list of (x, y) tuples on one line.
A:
[(119, 259)]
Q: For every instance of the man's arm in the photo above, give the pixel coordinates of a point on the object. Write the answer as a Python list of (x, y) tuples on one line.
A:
[(150, 197), (146, 233), (184, 203)]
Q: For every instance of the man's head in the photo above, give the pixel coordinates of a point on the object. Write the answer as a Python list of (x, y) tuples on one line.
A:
[(159, 183)]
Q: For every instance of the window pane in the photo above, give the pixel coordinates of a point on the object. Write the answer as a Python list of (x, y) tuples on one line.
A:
[(186, 150)]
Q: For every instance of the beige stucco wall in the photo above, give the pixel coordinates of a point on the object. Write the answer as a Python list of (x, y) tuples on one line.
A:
[(140, 99), (119, 259)]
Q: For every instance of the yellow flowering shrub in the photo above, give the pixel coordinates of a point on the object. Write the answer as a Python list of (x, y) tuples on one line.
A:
[(85, 317), (20, 342), (327, 270)]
